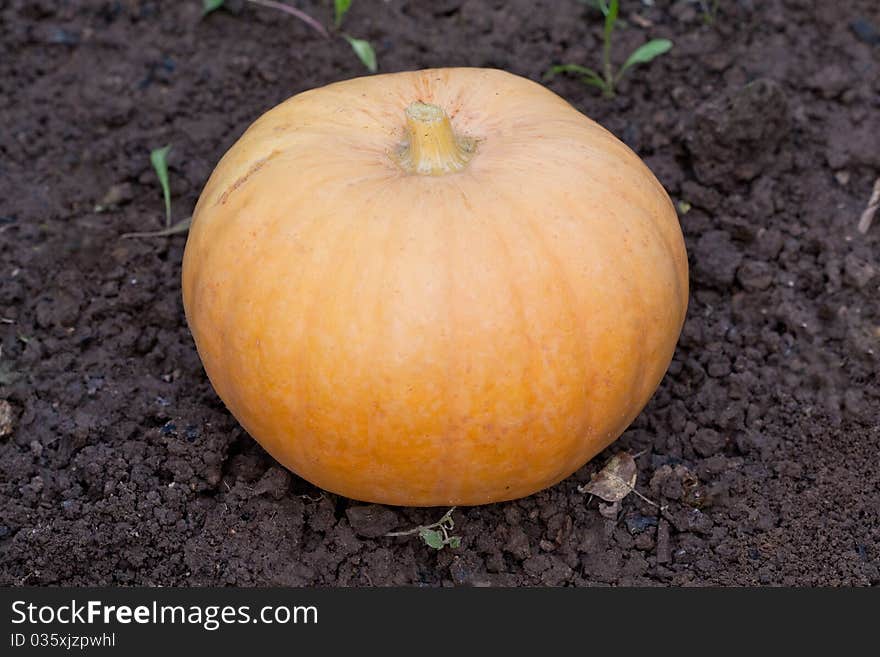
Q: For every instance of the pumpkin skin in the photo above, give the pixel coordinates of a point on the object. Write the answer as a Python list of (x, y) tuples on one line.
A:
[(460, 338)]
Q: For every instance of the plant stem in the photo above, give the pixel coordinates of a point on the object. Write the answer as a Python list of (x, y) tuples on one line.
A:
[(440, 524), (710, 11), (608, 89), (293, 11), (433, 148)]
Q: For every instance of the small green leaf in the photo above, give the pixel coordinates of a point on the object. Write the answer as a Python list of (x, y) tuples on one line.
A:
[(211, 5), (595, 81), (589, 75), (645, 53), (159, 159), (364, 51), (454, 542), (341, 8), (432, 538), (570, 68)]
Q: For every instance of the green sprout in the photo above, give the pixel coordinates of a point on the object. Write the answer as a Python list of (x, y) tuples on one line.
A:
[(340, 8), (159, 160), (361, 47), (436, 535), (710, 10), (609, 79), (364, 51)]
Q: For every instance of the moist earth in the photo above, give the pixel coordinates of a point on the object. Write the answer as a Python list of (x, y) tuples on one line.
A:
[(118, 463)]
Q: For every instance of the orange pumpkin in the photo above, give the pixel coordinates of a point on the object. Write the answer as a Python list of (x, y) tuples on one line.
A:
[(434, 288)]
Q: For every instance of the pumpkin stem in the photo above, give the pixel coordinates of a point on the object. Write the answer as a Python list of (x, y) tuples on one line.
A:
[(432, 147)]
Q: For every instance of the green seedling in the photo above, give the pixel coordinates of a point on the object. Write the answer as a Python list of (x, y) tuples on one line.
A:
[(159, 160), (436, 535), (364, 51), (607, 81), (710, 10), (340, 9), (361, 47)]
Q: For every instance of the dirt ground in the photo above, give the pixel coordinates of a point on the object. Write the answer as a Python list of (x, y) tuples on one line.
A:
[(123, 467)]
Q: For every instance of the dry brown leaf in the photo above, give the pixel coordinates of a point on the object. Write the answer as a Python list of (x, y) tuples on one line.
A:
[(615, 481), (6, 418)]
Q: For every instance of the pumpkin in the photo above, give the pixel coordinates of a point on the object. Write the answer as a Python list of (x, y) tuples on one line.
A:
[(437, 287)]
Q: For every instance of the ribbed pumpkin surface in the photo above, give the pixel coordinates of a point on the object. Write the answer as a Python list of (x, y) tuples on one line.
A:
[(413, 339)]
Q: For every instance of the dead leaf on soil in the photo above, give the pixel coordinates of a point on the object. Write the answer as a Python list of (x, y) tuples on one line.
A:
[(615, 481), (6, 418)]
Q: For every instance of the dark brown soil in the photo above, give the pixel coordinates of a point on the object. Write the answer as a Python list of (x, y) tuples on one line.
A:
[(123, 466)]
